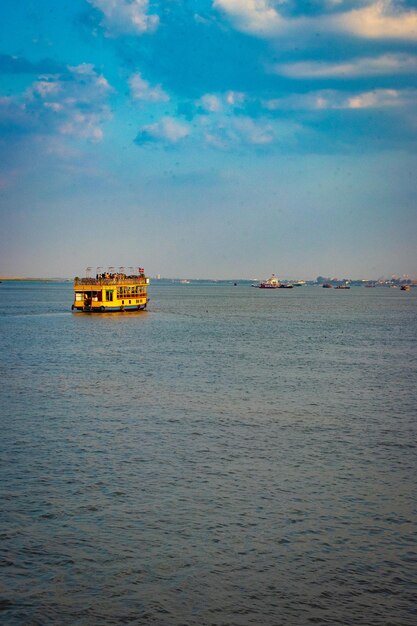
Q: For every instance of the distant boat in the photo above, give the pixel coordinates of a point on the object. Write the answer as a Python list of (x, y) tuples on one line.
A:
[(271, 283), (286, 286), (342, 287), (327, 286)]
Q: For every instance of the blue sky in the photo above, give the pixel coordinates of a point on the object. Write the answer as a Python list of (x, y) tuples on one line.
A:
[(209, 138)]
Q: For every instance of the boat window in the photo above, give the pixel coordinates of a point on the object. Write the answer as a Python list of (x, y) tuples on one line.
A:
[(109, 295), (78, 296), (129, 291)]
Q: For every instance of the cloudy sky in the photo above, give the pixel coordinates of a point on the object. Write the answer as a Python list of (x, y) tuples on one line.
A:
[(209, 138)]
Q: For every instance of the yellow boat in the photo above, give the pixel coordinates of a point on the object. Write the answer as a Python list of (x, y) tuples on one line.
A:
[(111, 292)]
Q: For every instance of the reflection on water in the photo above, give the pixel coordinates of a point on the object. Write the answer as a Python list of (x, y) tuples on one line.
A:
[(229, 457)]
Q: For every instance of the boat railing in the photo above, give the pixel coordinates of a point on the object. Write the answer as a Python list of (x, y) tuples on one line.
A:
[(139, 280)]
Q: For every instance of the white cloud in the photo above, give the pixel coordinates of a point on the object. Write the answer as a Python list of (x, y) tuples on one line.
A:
[(254, 132), (51, 121), (82, 82), (140, 89), (84, 125), (312, 100), (126, 17), (45, 88), (379, 98), (230, 132), (86, 69), (252, 16), (235, 98), (210, 103), (368, 66), (54, 106), (329, 99), (381, 19), (86, 75), (73, 106), (168, 129), (216, 103)]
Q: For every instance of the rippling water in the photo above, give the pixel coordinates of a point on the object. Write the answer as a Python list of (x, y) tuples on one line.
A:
[(230, 457)]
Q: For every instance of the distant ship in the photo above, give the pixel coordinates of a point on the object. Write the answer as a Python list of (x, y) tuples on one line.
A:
[(327, 286), (271, 283), (111, 292)]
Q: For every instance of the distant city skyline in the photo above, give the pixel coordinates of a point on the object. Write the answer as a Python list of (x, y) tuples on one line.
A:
[(209, 139)]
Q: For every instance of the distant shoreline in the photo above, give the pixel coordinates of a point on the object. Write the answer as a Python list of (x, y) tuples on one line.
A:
[(32, 280), (241, 281)]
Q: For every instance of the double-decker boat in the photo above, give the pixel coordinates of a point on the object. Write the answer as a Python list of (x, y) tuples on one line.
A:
[(111, 292)]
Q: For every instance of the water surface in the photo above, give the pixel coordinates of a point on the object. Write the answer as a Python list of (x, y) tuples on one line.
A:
[(229, 457)]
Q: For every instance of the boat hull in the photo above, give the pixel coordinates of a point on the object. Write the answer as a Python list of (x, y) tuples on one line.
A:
[(103, 309)]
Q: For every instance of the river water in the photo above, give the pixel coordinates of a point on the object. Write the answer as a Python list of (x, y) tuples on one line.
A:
[(232, 456)]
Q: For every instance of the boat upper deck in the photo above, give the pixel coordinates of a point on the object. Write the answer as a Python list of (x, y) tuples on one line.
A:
[(114, 280)]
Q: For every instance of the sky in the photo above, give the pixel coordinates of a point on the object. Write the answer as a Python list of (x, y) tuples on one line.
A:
[(209, 138)]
